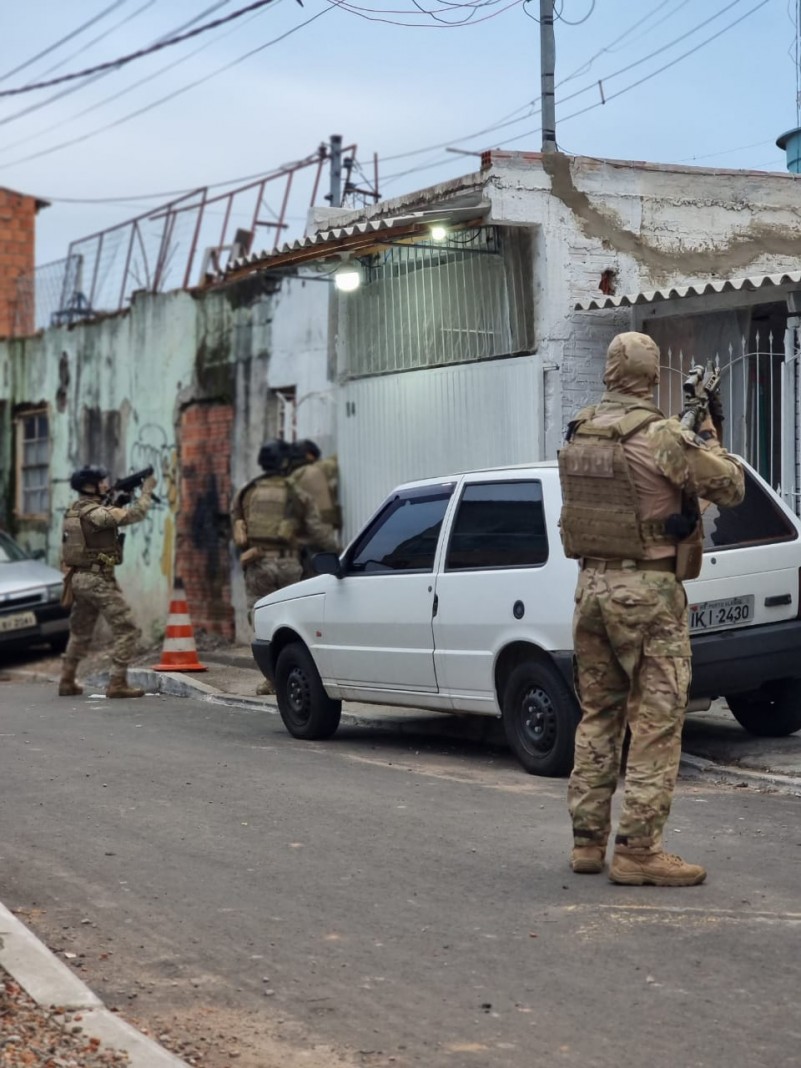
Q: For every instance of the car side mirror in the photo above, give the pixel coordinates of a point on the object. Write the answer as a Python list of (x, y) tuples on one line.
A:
[(327, 564)]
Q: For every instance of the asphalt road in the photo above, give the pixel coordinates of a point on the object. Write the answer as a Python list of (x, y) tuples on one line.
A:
[(382, 901)]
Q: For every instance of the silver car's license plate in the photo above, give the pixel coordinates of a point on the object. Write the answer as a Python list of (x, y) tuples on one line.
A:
[(17, 621), (715, 615)]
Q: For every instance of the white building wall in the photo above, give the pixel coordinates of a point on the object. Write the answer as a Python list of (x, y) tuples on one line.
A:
[(395, 428), (653, 226)]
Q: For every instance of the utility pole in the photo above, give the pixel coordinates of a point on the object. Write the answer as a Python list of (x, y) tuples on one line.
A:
[(335, 196), (547, 64)]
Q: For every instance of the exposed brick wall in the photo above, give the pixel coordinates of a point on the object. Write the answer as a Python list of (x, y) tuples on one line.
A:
[(17, 235), (202, 553)]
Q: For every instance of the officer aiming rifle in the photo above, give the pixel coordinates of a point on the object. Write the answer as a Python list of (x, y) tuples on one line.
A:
[(702, 398), (121, 493)]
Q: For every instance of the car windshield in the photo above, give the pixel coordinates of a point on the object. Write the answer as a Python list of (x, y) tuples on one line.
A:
[(10, 551)]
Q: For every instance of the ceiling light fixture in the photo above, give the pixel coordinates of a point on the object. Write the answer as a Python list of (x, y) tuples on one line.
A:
[(438, 232), (347, 278)]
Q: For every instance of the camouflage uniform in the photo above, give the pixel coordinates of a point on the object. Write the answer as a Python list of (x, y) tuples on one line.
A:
[(270, 567), (95, 591), (316, 479), (631, 629)]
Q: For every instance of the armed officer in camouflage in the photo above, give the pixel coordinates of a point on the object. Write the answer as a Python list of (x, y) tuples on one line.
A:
[(91, 549), (270, 515), (631, 480), (318, 478)]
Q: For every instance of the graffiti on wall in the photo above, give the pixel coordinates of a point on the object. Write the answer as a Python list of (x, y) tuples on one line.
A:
[(154, 448)]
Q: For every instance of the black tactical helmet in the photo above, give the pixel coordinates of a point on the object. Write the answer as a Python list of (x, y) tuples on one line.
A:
[(89, 475), (309, 446), (273, 456)]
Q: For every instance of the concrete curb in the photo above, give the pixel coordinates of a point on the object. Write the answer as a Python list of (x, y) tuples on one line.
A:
[(761, 780), (48, 981)]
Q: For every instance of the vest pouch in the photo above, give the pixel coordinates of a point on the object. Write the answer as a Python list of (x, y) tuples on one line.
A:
[(690, 556)]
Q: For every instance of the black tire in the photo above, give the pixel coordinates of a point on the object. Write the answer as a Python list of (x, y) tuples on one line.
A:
[(773, 712), (540, 716), (306, 709), (59, 644)]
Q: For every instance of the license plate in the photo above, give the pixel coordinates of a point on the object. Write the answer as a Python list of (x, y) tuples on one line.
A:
[(716, 615), (17, 621)]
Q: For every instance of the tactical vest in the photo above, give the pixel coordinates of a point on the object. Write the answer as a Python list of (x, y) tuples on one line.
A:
[(84, 545), (600, 510), (265, 510), (312, 479)]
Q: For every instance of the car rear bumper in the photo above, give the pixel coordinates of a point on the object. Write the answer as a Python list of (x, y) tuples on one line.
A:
[(263, 656), (736, 661), (732, 661)]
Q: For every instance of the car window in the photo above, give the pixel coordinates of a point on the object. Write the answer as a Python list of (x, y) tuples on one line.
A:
[(498, 524), (9, 550), (404, 535), (755, 521)]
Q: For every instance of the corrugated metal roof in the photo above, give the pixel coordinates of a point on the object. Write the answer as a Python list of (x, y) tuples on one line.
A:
[(355, 238), (699, 289)]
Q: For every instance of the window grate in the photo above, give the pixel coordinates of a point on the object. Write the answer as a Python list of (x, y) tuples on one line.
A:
[(429, 306)]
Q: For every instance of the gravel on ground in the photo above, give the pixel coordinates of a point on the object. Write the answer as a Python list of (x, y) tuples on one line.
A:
[(34, 1036)]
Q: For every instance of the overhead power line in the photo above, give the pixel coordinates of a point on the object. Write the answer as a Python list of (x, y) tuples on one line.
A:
[(95, 40), (164, 99), (115, 64), (579, 92), (122, 92), (63, 40)]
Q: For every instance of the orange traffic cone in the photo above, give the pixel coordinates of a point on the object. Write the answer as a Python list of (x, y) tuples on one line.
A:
[(179, 652)]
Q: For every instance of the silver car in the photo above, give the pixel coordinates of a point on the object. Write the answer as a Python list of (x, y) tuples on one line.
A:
[(30, 599)]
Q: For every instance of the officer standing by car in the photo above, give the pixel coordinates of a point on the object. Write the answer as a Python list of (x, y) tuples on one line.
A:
[(314, 476), (271, 516), (91, 549), (631, 480)]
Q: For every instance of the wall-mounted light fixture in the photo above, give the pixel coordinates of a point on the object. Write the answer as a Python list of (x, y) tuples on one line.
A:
[(439, 232), (348, 277)]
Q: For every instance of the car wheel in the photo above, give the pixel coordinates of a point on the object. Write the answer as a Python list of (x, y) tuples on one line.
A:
[(540, 715), (306, 709), (772, 712)]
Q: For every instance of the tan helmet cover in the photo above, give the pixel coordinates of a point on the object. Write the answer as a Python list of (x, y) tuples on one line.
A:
[(632, 364)]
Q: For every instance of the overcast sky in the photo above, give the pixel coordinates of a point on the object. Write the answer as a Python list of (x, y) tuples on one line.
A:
[(386, 75)]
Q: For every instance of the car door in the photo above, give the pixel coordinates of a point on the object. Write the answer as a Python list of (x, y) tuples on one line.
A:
[(494, 587), (377, 632)]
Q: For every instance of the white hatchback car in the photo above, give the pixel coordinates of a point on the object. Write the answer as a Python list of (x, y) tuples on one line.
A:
[(456, 597)]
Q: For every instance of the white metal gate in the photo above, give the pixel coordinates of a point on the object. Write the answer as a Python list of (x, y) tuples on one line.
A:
[(437, 421), (761, 403)]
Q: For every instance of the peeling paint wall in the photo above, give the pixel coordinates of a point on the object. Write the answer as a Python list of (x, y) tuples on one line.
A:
[(121, 390), (650, 226)]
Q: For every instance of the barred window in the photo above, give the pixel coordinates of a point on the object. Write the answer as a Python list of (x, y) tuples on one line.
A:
[(468, 298), (33, 464)]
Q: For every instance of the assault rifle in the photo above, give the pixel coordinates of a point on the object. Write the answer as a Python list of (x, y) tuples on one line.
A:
[(700, 387), (123, 489)]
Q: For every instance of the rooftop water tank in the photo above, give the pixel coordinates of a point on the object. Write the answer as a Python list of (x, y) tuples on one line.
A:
[(791, 143)]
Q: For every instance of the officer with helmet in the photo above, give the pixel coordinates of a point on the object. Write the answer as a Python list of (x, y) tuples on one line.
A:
[(271, 516), (318, 478), (91, 549)]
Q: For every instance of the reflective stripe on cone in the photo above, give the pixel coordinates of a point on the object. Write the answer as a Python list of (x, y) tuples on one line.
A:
[(179, 652)]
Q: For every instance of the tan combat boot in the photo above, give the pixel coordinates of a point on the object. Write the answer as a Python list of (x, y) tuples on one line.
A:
[(587, 859), (265, 688), (118, 684), (652, 866), (67, 686)]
